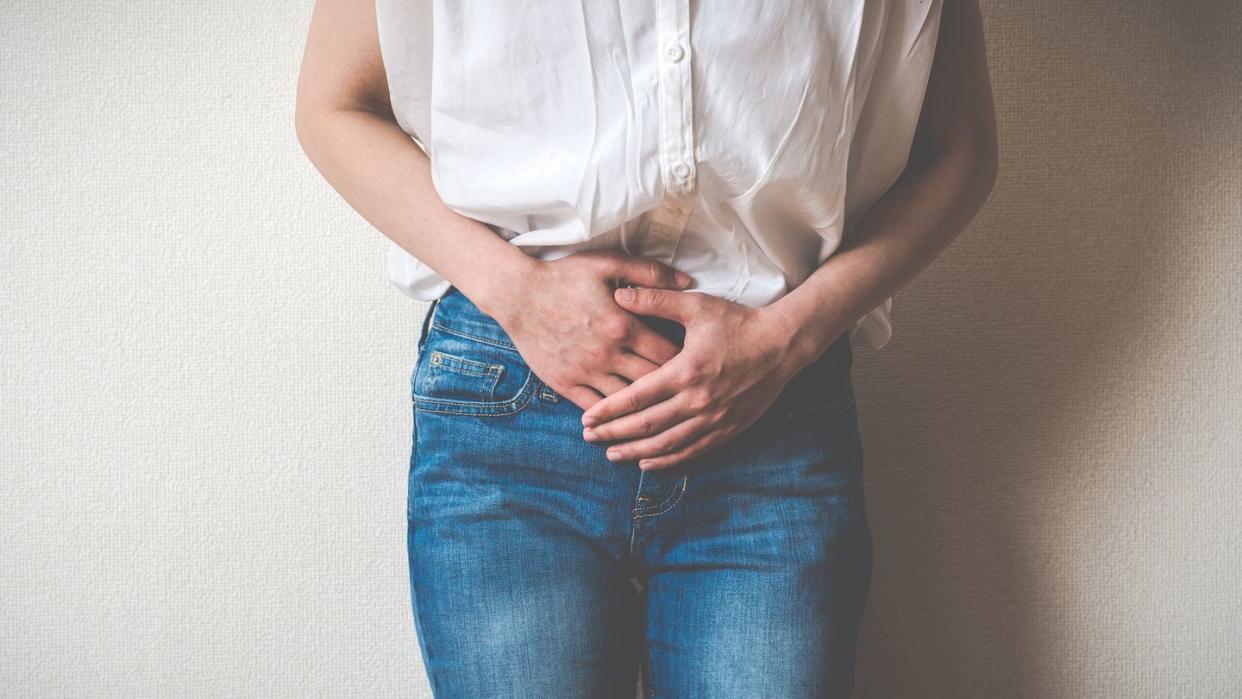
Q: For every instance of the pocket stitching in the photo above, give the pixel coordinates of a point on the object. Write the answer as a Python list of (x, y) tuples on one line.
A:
[(448, 406), (470, 367), (471, 336), (463, 365)]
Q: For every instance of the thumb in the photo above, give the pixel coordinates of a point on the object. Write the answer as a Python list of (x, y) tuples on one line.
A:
[(664, 303)]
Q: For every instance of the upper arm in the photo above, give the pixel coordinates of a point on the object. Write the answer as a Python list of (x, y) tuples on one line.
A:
[(341, 64), (958, 117)]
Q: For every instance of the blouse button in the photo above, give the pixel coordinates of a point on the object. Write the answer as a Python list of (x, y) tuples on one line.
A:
[(681, 170), (674, 52)]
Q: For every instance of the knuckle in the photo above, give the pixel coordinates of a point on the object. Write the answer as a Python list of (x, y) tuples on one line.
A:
[(653, 271), (689, 375), (698, 401), (597, 258), (616, 328), (595, 355), (609, 263)]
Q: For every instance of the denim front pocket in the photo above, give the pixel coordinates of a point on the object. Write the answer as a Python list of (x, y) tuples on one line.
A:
[(461, 375), (453, 377)]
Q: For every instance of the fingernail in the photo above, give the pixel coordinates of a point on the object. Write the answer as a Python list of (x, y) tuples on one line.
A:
[(614, 454), (644, 464), (683, 279), (588, 420), (588, 433), (626, 294)]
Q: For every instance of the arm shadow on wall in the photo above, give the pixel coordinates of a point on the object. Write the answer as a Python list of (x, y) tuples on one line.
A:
[(1004, 426)]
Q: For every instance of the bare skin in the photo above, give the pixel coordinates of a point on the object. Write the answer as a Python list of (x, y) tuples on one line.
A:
[(734, 363), (560, 314)]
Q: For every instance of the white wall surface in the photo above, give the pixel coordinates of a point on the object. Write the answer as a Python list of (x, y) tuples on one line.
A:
[(205, 402)]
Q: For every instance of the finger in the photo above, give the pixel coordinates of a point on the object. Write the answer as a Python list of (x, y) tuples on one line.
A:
[(631, 367), (668, 441), (582, 396), (704, 442), (646, 390), (645, 271), (680, 306), (652, 346), (608, 384), (644, 423)]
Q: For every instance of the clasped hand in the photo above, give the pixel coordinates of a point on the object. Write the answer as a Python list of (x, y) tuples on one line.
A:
[(732, 365)]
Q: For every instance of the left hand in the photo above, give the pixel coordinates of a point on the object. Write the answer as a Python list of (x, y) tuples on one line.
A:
[(734, 362)]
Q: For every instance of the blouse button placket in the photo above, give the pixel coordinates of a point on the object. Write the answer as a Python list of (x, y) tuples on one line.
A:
[(668, 220)]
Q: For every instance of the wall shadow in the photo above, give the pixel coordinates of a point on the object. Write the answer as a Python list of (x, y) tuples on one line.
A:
[(1017, 350)]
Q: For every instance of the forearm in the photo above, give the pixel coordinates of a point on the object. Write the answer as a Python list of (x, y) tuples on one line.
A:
[(386, 178), (898, 237)]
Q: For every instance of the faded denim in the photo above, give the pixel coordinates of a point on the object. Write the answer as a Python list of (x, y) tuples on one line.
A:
[(538, 568)]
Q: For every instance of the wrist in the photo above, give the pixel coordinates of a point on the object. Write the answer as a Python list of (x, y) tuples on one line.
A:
[(499, 288), (804, 337)]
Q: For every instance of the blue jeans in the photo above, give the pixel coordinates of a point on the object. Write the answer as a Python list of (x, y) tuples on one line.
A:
[(538, 568)]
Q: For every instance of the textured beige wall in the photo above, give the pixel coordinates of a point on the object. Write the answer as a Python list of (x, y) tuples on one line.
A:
[(1053, 435), (206, 416)]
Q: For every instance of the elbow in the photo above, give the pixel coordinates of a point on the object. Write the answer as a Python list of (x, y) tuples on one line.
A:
[(969, 159), (984, 152), (299, 127), (309, 112), (968, 172), (304, 114), (985, 168), (307, 120), (301, 110), (987, 158), (977, 163)]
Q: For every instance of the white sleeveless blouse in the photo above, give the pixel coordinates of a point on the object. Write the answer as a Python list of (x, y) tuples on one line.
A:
[(735, 141)]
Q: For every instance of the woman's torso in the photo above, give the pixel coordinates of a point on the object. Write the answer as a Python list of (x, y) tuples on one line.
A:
[(737, 142)]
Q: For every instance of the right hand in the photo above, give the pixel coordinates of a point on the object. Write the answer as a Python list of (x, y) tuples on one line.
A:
[(566, 324)]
